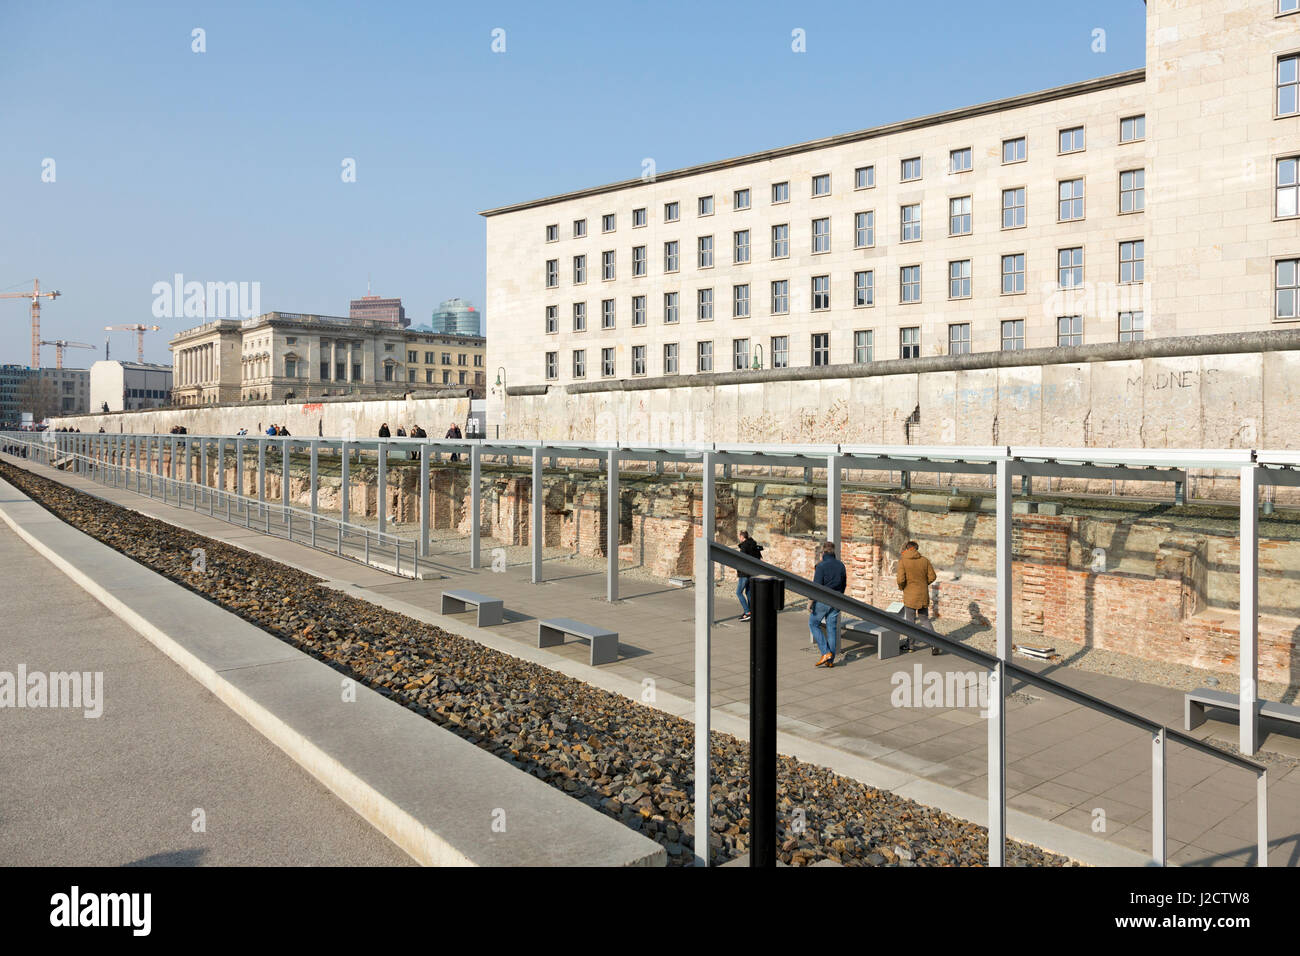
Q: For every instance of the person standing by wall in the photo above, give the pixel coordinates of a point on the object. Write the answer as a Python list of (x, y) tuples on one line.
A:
[(752, 548), (915, 575), (830, 574)]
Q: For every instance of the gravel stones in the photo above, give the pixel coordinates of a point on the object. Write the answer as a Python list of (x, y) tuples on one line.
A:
[(629, 761)]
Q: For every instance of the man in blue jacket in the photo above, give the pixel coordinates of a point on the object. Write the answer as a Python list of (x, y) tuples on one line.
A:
[(830, 574)]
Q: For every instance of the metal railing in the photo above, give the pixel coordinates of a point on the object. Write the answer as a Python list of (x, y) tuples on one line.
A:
[(1000, 672), (342, 538)]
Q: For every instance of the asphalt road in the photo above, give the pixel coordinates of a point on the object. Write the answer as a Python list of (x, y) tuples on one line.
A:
[(128, 788)]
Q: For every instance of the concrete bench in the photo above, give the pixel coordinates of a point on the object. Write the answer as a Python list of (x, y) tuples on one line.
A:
[(490, 610), (604, 644), (1195, 703), (886, 640)]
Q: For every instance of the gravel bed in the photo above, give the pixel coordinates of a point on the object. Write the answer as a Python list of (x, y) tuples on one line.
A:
[(629, 761)]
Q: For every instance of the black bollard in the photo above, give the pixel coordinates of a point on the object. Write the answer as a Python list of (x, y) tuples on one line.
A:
[(767, 598)]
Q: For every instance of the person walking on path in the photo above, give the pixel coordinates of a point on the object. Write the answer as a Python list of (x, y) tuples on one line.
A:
[(453, 432), (915, 575), (755, 550), (830, 574)]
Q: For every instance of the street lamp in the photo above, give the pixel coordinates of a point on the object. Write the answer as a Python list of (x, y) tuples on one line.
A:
[(758, 356)]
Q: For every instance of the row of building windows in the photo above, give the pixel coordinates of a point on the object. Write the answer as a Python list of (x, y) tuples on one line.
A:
[(430, 358), (1069, 275), (1130, 327), (462, 377), (1014, 150)]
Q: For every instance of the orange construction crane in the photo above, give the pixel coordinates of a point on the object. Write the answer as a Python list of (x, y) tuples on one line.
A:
[(139, 330), (61, 344), (35, 295)]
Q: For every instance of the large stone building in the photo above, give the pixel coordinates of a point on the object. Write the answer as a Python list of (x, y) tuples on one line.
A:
[(42, 392), (286, 355), (373, 307), (1153, 203)]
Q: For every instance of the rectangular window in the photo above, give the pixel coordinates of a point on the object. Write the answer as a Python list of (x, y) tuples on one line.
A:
[(1287, 169), (638, 218), (412, 356), (704, 247), (1013, 208), (821, 185), (607, 222), (430, 358), (959, 223), (638, 310), (705, 206), (863, 346), (607, 363), (1286, 288), (910, 222), (1288, 85), (1288, 6), (579, 270), (1069, 330), (959, 279), (638, 261), (864, 289), (704, 357), (909, 343), (740, 199), (552, 273), (670, 256), (1071, 140), (1069, 267), (428, 376), (1014, 150), (1070, 194), (781, 241), (579, 319), (670, 308), (959, 339), (1013, 274), (580, 363), (704, 305), (552, 365), (739, 354), (780, 351), (638, 360), (740, 301), (864, 177), (672, 212), (741, 246), (821, 293), (606, 313), (821, 235), (553, 233), (821, 348), (670, 358), (910, 169), (607, 264), (780, 192), (579, 228), (1132, 129), (780, 296), (1132, 190), (552, 323), (864, 229), (960, 160), (1132, 262), (1131, 326), (909, 281), (1013, 335), (325, 366)]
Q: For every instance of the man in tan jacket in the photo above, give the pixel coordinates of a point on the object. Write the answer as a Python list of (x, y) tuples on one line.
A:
[(915, 575)]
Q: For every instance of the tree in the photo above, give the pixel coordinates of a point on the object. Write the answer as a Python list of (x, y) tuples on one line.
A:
[(40, 396)]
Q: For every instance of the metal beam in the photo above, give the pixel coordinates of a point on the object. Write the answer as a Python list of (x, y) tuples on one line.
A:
[(1159, 801), (612, 525), (475, 480), (997, 762), (833, 465), (284, 475), (536, 528), (424, 500), (381, 495), (315, 476), (345, 452), (703, 695), (1248, 577), (1002, 555)]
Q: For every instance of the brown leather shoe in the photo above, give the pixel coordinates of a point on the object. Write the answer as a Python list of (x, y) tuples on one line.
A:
[(824, 662)]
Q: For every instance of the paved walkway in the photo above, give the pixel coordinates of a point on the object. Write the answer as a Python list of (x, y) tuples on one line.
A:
[(122, 789), (1089, 776)]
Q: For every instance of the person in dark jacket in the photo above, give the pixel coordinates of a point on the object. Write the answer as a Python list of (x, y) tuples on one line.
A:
[(830, 574), (915, 575), (453, 432), (383, 431), (752, 548)]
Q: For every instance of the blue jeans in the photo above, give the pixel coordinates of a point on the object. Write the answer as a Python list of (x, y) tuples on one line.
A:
[(742, 592), (827, 643)]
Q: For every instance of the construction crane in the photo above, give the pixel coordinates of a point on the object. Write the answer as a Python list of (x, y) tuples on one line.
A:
[(61, 344), (139, 330), (35, 295)]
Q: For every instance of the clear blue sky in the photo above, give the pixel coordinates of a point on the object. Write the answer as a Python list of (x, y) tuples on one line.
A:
[(225, 165)]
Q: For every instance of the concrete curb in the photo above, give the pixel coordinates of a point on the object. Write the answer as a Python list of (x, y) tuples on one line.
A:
[(432, 793)]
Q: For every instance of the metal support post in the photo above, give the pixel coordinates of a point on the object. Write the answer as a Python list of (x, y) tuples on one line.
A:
[(1003, 557), (997, 759), (537, 529), (1248, 575), (613, 523), (762, 721), (475, 474)]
